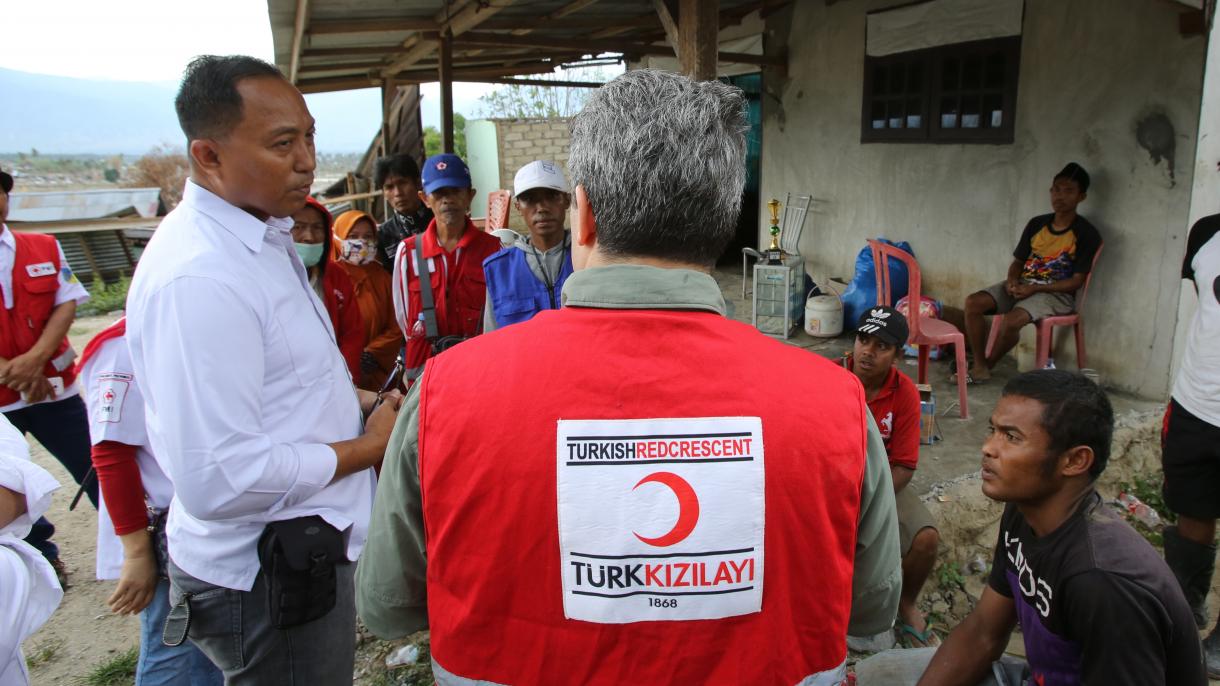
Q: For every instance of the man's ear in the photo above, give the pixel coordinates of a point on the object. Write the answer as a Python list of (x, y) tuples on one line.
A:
[(205, 153), (1077, 461), (584, 224), (424, 199), (1083, 196)]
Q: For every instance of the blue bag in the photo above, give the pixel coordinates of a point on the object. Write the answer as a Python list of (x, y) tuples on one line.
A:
[(861, 293)]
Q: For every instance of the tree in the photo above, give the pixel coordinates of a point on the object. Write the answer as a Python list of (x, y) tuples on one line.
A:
[(162, 167), (432, 138)]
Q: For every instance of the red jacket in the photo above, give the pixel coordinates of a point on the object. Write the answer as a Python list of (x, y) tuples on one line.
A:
[(35, 283), (504, 491), (339, 297), (459, 288)]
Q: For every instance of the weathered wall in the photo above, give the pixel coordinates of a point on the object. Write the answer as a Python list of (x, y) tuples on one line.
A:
[(1091, 70)]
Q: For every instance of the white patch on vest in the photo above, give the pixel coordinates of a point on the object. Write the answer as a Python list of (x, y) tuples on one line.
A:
[(41, 269), (660, 519), (111, 394), (415, 267)]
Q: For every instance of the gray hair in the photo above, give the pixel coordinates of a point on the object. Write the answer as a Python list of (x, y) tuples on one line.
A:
[(662, 160)]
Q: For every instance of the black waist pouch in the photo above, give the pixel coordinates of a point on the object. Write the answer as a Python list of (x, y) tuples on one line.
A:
[(298, 558)]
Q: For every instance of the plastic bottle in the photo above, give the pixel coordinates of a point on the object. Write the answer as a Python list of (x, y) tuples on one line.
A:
[(1139, 510)]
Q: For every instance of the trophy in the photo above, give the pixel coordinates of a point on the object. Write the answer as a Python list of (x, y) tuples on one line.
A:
[(775, 254)]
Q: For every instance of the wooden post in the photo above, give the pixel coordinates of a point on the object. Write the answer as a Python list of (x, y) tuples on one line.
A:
[(389, 90), (446, 78), (698, 35)]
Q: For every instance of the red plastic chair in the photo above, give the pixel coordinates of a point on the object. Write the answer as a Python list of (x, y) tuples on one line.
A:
[(498, 203), (925, 331), (1045, 327)]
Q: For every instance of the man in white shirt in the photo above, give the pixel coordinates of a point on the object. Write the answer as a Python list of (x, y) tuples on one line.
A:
[(38, 390), (249, 406), (29, 592), (1191, 438)]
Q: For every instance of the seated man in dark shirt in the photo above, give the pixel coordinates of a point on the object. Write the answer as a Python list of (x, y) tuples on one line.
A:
[(1052, 259), (398, 178), (1096, 603)]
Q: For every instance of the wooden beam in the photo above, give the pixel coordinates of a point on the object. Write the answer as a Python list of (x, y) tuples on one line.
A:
[(445, 72), (570, 8), (382, 25), (355, 50), (588, 46), (338, 66), (465, 19), (539, 82), (698, 31), (585, 22), (671, 27), (338, 83), (298, 36)]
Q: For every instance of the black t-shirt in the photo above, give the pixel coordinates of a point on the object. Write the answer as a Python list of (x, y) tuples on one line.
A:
[(1051, 255), (1096, 603), (395, 229)]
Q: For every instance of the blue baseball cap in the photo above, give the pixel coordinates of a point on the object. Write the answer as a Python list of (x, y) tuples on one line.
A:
[(445, 170)]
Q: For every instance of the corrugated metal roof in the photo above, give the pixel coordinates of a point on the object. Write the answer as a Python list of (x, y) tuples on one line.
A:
[(357, 43), (95, 204)]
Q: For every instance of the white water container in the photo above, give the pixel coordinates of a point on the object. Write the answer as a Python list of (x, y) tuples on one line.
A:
[(824, 316)]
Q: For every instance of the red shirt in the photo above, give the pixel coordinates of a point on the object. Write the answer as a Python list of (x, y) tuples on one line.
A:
[(896, 411)]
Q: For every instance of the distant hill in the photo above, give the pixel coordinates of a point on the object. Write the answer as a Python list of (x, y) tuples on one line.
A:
[(56, 114)]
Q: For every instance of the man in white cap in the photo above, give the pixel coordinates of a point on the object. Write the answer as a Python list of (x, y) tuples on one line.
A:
[(527, 277)]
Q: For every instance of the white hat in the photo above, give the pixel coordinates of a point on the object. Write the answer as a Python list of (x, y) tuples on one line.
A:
[(539, 174)]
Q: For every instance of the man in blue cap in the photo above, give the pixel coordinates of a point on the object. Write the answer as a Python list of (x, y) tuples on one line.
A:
[(448, 306)]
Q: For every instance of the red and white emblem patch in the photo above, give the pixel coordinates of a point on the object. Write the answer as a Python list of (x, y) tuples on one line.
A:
[(111, 394), (442, 166), (660, 519)]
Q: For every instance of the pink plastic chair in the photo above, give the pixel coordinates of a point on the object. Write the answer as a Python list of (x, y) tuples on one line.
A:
[(925, 331), (1046, 326), (498, 203)]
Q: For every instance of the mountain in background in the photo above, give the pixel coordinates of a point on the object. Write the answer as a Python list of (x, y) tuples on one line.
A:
[(61, 115)]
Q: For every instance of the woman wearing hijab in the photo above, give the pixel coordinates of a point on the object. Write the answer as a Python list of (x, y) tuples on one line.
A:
[(312, 239), (356, 252)]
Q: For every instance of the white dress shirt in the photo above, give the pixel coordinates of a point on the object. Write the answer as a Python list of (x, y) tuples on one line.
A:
[(29, 591), (70, 288), (243, 388), (116, 413)]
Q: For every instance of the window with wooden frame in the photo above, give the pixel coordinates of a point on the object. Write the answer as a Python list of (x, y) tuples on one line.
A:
[(958, 93)]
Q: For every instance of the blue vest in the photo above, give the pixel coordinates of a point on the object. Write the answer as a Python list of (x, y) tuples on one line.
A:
[(516, 294)]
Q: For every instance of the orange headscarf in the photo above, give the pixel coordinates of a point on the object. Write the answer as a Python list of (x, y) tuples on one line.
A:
[(375, 300)]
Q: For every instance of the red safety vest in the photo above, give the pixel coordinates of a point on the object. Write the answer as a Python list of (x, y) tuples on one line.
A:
[(459, 288), (488, 476), (35, 282)]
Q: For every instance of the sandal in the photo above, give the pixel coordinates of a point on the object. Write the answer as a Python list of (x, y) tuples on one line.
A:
[(969, 380), (908, 637)]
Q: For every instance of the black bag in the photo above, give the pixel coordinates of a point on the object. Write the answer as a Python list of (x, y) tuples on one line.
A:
[(298, 558)]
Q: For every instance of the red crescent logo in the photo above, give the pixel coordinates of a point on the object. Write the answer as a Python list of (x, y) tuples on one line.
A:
[(688, 508)]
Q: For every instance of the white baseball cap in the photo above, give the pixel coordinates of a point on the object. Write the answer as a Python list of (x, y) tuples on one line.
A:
[(539, 174)]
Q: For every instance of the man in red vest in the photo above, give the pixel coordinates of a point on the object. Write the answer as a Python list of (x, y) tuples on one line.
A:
[(38, 389), (669, 497)]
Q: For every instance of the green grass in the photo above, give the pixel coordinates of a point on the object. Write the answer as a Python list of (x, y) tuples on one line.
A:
[(43, 652), (949, 576), (104, 297), (119, 670)]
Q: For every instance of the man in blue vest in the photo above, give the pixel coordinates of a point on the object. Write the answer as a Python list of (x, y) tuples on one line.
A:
[(527, 277)]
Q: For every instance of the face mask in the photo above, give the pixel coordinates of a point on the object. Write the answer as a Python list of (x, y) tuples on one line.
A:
[(311, 253), (358, 251)]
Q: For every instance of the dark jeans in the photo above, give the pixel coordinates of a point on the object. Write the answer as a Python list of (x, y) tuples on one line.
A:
[(234, 630), (62, 427)]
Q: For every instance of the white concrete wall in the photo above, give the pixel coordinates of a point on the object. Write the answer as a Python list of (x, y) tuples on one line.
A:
[(1090, 69)]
